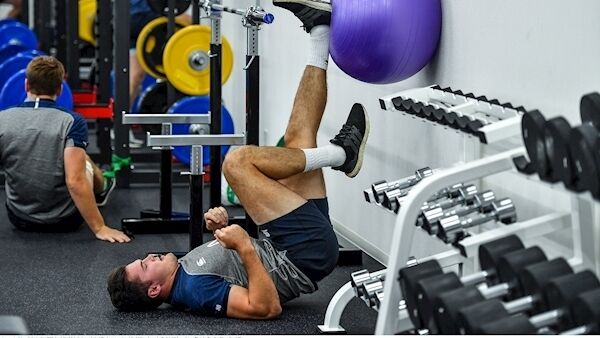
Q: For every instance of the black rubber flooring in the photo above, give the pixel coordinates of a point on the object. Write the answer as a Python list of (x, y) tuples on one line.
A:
[(57, 282)]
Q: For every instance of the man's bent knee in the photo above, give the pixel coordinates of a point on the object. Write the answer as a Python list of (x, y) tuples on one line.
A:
[(236, 160)]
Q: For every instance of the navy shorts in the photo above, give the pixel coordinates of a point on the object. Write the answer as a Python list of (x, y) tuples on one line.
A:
[(67, 224), (307, 235)]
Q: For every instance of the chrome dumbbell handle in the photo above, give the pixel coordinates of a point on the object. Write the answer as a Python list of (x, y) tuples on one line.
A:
[(380, 187), (462, 195), (452, 228), (481, 202)]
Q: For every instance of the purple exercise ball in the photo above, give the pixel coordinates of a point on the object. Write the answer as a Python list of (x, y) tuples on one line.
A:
[(384, 41)]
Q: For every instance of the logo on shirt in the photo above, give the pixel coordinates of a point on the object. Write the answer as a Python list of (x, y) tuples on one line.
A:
[(201, 261)]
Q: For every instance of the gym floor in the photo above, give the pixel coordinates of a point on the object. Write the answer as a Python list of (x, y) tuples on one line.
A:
[(57, 282)]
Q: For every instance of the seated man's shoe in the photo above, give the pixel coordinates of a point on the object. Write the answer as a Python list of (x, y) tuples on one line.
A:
[(311, 12), (353, 138), (102, 198)]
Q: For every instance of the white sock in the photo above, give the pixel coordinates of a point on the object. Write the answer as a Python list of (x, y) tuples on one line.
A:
[(319, 47), (327, 156)]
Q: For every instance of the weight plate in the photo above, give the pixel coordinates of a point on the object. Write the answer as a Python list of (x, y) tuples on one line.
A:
[(14, 64), (198, 105), (13, 92), (556, 143), (16, 33), (532, 128), (148, 82), (162, 6), (150, 46), (582, 143), (187, 63), (87, 15), (153, 100), (589, 109)]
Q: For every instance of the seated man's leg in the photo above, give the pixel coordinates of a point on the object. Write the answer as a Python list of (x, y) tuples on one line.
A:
[(101, 186)]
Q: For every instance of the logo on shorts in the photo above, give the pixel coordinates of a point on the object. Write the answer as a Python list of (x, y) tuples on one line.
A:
[(266, 233)]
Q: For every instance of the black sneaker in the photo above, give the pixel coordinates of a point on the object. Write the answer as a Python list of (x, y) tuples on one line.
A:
[(353, 138), (311, 12), (102, 198)]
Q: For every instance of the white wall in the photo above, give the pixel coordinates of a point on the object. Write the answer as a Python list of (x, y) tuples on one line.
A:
[(541, 54)]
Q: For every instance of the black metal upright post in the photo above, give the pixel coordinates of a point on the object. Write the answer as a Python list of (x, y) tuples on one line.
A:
[(196, 197), (104, 49), (25, 12), (216, 70), (43, 24), (60, 10), (252, 103), (121, 66), (72, 43)]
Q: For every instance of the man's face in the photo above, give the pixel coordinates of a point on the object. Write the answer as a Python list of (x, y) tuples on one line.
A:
[(154, 269)]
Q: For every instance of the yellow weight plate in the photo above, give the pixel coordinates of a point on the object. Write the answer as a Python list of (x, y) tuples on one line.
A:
[(187, 63), (151, 43), (87, 14)]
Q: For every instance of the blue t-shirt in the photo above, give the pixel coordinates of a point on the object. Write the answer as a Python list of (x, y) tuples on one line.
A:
[(205, 294), (138, 6)]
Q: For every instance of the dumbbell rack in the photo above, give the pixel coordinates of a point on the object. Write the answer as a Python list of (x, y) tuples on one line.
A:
[(393, 317), (487, 119)]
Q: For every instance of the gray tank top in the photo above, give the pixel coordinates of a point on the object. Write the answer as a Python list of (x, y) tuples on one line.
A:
[(212, 259)]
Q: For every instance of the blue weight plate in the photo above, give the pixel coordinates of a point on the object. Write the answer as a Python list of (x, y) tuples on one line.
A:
[(197, 105), (14, 64), (16, 33), (8, 51), (13, 92), (146, 84)]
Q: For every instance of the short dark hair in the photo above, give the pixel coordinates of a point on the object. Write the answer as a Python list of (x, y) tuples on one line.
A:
[(45, 75), (128, 295)]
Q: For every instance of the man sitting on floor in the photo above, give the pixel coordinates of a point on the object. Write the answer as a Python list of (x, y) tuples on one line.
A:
[(283, 190), (50, 180)]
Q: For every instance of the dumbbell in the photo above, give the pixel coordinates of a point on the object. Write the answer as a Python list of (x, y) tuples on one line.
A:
[(583, 142), (560, 294), (489, 255), (373, 290), (507, 272), (585, 312), (360, 277), (532, 280), (462, 195), (380, 187), (393, 199), (452, 229), (481, 202)]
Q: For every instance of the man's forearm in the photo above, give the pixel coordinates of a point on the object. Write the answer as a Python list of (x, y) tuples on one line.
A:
[(262, 293), (85, 202)]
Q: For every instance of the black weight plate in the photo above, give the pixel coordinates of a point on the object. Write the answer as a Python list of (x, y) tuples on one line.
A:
[(409, 277), (154, 58), (556, 143), (470, 318), (417, 109), (582, 143), (438, 115), (589, 109), (474, 126), (534, 278), (512, 264), (532, 128), (448, 304), (154, 101), (427, 111), (161, 6), (450, 119), (489, 253)]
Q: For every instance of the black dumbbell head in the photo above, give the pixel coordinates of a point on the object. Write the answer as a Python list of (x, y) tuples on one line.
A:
[(532, 128), (471, 318), (534, 278), (586, 163), (585, 310), (556, 139), (512, 264), (589, 109), (513, 325), (489, 253), (428, 290), (448, 304), (409, 277)]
